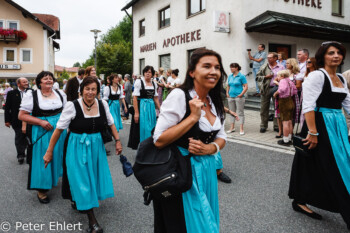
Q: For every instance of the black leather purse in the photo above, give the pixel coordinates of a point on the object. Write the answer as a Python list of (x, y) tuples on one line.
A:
[(298, 143), (106, 133), (162, 173)]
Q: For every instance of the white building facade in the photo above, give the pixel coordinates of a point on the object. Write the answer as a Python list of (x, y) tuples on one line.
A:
[(165, 32)]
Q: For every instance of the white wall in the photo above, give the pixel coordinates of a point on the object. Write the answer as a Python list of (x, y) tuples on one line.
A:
[(232, 46)]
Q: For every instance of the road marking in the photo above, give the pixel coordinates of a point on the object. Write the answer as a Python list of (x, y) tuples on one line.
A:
[(289, 150)]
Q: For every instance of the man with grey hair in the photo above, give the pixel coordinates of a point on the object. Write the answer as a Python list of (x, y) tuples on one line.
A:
[(302, 55), (13, 103)]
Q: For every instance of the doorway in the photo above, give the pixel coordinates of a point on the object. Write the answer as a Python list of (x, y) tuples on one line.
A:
[(284, 48)]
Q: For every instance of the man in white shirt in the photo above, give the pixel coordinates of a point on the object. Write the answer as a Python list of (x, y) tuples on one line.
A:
[(56, 86), (64, 84), (302, 55), (73, 86)]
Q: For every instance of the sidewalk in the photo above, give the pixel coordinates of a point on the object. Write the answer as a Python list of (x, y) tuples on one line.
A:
[(252, 132), (252, 135)]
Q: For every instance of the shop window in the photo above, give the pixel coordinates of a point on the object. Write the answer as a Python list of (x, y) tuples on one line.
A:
[(337, 7), (10, 55), (164, 17), (164, 61), (13, 24), (2, 23), (26, 55), (142, 27), (142, 65), (195, 6)]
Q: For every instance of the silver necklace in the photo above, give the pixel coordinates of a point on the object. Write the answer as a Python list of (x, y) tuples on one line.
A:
[(46, 95)]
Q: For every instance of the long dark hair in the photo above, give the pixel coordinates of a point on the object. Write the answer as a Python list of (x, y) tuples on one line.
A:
[(215, 93)]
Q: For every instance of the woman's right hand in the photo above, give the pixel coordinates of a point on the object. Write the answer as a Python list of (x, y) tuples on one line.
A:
[(46, 125), (136, 117), (47, 158), (227, 95), (195, 107), (311, 140)]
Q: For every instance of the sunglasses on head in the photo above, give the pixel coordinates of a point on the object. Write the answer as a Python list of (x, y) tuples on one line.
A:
[(309, 62), (330, 42)]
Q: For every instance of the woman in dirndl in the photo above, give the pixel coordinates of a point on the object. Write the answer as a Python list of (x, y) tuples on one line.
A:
[(322, 179), (89, 177), (113, 93), (196, 125), (145, 98), (42, 109)]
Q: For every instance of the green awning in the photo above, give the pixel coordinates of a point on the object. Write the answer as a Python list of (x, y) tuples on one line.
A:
[(291, 25)]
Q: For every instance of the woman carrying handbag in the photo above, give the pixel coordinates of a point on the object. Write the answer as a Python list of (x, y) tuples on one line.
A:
[(197, 127)]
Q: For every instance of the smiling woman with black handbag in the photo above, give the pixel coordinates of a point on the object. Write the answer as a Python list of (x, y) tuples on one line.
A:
[(196, 125), (322, 179)]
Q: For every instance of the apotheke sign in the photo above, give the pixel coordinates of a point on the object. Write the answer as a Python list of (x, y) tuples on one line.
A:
[(173, 41), (308, 3), (10, 67)]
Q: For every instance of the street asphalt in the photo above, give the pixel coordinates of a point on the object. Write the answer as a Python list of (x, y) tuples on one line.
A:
[(256, 201)]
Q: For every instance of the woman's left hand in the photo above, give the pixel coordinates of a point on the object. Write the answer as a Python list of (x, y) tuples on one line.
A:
[(311, 140), (197, 147), (125, 110), (118, 147)]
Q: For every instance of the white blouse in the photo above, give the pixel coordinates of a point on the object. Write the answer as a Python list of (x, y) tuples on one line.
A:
[(312, 88), (68, 114), (44, 104), (119, 92), (171, 113), (138, 87)]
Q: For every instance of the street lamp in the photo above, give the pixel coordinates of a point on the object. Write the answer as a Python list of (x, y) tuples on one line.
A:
[(95, 31)]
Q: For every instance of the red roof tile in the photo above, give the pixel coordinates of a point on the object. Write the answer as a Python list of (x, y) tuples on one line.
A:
[(68, 69), (50, 20)]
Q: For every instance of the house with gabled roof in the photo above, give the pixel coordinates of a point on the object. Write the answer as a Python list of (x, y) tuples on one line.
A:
[(27, 42)]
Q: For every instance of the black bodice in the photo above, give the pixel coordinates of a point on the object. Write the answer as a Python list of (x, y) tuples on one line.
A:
[(146, 93), (38, 112), (81, 125), (195, 132), (329, 99), (113, 97)]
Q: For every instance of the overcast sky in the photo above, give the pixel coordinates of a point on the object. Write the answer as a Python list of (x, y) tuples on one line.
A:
[(77, 18)]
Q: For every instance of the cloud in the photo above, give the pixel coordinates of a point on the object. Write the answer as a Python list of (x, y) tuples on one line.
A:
[(77, 18)]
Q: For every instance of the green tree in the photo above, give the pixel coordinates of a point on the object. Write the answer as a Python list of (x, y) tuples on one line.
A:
[(77, 64), (114, 50)]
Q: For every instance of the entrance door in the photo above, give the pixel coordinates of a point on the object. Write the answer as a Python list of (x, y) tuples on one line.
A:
[(286, 49)]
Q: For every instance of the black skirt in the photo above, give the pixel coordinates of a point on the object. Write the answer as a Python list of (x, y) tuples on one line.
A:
[(316, 180)]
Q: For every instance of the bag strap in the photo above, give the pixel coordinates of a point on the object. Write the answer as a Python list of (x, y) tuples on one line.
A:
[(103, 112)]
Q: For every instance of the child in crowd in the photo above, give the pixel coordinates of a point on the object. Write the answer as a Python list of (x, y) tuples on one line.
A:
[(286, 93)]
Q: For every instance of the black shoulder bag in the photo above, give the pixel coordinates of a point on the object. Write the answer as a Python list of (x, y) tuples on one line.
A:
[(106, 133), (298, 142), (162, 173)]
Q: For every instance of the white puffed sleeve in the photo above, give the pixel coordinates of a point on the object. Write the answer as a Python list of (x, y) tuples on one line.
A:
[(121, 92), (221, 133), (346, 101), (312, 88), (67, 115), (109, 116), (155, 89), (171, 113), (27, 102), (137, 87), (106, 93)]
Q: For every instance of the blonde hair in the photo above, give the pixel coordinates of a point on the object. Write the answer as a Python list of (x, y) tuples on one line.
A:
[(283, 73), (294, 63), (161, 71), (169, 71)]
